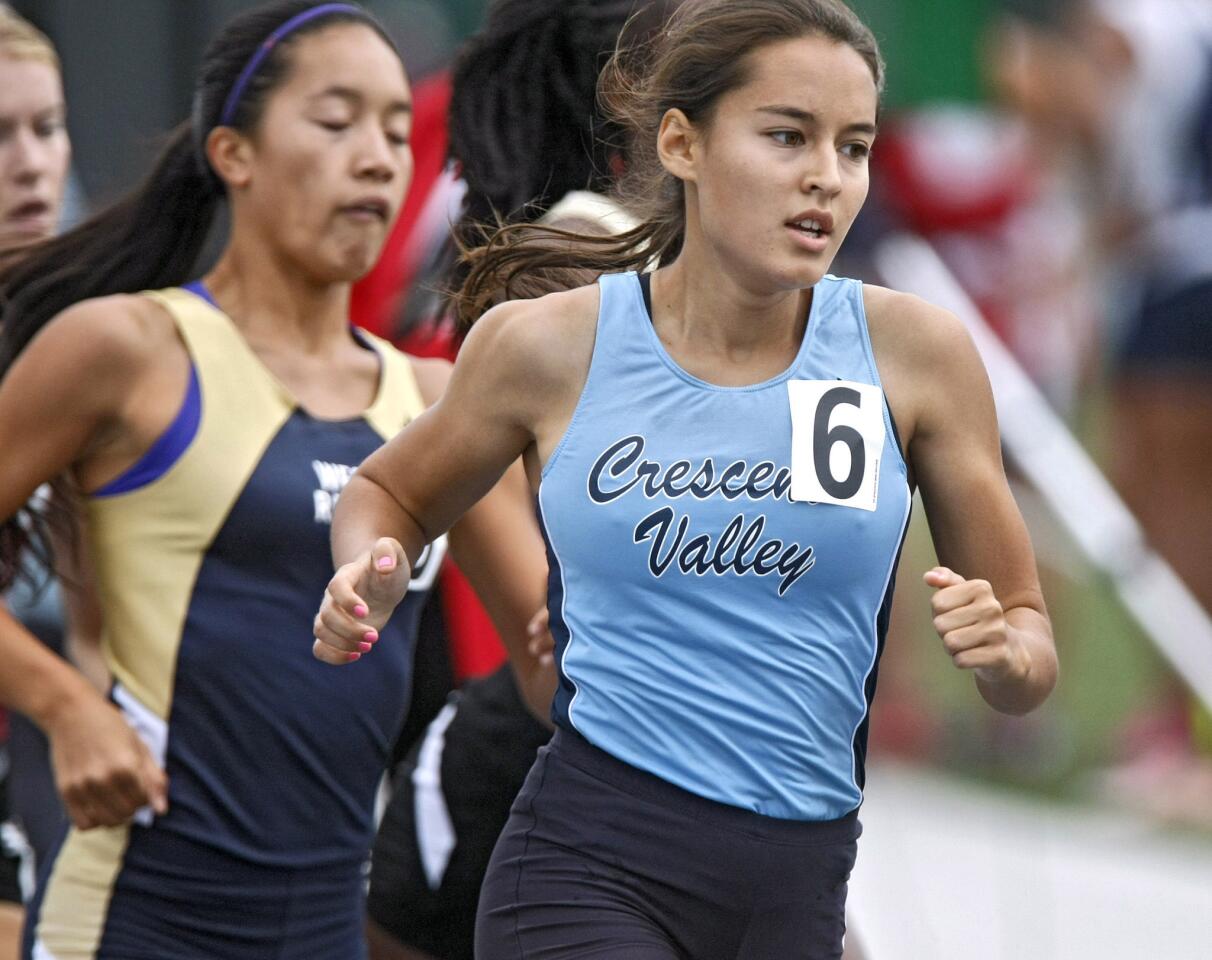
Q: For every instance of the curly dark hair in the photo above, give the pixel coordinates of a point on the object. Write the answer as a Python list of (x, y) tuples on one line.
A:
[(524, 120)]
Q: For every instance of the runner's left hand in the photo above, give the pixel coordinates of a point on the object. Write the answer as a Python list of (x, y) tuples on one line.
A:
[(973, 627)]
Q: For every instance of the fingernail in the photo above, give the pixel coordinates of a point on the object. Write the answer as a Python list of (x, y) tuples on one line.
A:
[(364, 646), (354, 656), (385, 562), (370, 636), (360, 610)]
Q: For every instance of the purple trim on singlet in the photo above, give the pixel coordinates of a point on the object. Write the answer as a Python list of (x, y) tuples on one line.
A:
[(167, 450), (198, 289)]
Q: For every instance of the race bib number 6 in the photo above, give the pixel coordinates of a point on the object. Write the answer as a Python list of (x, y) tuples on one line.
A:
[(837, 439)]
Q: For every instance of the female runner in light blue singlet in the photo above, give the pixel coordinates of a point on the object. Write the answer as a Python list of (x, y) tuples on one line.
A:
[(724, 453)]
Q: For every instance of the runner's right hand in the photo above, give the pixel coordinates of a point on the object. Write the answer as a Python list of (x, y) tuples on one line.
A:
[(103, 771), (358, 602)]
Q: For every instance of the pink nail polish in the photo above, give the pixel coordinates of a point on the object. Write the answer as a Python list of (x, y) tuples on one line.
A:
[(354, 656), (364, 646), (370, 636), (360, 610), (384, 562)]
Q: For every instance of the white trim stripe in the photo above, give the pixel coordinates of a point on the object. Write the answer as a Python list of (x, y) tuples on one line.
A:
[(14, 842), (40, 951), (435, 831), (151, 729)]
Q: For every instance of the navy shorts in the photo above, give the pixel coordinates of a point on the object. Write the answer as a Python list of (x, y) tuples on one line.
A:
[(601, 860), (175, 899)]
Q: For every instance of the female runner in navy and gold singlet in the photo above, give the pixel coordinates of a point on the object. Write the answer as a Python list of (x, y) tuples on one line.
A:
[(222, 801)]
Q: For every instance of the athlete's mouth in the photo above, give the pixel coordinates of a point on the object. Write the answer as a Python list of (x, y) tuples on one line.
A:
[(30, 210), (815, 223), (368, 207)]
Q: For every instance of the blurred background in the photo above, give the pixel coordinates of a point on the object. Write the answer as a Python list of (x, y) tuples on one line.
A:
[(1055, 159)]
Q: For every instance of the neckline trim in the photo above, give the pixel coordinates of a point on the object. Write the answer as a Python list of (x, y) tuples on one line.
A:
[(199, 289)]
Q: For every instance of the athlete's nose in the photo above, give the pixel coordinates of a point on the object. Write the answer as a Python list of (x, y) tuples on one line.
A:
[(823, 172), (377, 159)]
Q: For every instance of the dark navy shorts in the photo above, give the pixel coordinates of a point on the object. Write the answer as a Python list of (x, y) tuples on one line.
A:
[(601, 860), (176, 899)]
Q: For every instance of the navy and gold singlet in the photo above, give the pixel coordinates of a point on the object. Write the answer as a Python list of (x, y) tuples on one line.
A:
[(211, 556)]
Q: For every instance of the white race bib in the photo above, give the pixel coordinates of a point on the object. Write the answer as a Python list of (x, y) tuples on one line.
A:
[(837, 440)]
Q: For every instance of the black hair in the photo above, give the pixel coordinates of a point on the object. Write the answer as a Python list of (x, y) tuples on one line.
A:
[(525, 126), (150, 238), (524, 122)]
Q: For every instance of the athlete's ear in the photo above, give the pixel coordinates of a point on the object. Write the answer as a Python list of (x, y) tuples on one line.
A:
[(230, 156), (678, 145)]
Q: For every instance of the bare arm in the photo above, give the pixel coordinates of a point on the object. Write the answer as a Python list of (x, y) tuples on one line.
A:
[(82, 620), (988, 608), (415, 487), (498, 547), (54, 402), (510, 385), (12, 916), (59, 403)]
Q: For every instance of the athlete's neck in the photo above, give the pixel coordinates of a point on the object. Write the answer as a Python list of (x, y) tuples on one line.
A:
[(709, 302), (274, 302), (720, 329)]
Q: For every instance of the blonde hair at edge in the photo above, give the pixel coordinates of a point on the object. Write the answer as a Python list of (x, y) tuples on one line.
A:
[(21, 40)]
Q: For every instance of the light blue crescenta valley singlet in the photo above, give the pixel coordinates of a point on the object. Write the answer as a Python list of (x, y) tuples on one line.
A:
[(709, 629)]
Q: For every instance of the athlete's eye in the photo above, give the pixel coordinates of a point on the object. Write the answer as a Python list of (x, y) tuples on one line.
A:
[(787, 138), (45, 129), (857, 150)]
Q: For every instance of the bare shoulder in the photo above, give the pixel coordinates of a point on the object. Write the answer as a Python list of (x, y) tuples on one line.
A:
[(432, 374), (905, 327), (116, 334), (549, 339), (928, 364)]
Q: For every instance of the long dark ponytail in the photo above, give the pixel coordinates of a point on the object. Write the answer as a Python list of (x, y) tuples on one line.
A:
[(700, 56), (151, 238)]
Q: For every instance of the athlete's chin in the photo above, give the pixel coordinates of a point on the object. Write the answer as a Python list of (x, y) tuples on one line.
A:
[(352, 263), (798, 273)]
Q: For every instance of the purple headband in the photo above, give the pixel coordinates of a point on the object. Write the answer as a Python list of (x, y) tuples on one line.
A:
[(263, 51)]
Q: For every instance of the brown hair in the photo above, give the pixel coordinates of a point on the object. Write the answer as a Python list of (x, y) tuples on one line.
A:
[(21, 40), (701, 55)]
